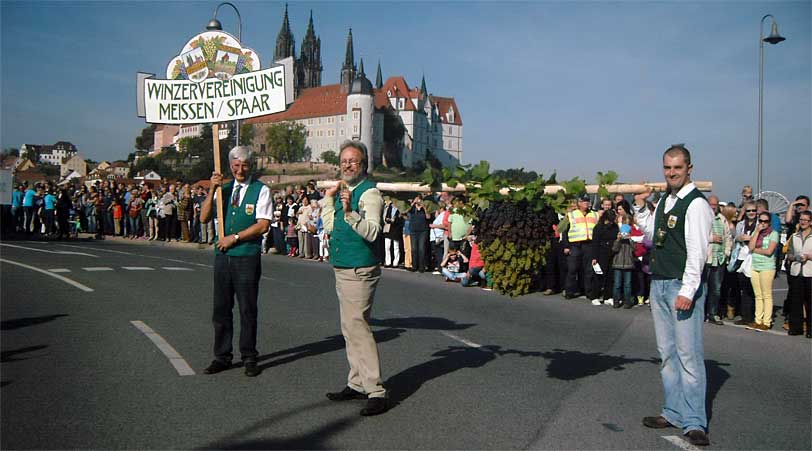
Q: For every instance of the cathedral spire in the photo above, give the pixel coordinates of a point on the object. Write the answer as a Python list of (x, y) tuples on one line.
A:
[(379, 77), (349, 56), (285, 45), (423, 89), (348, 69), (361, 68)]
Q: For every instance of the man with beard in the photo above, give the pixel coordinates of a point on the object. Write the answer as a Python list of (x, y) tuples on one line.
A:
[(354, 225)]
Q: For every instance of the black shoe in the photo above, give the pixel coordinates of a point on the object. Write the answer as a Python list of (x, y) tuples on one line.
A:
[(346, 395), (572, 296), (251, 369), (742, 322), (375, 406), (698, 438), (628, 305), (657, 422), (617, 304), (795, 332), (216, 367)]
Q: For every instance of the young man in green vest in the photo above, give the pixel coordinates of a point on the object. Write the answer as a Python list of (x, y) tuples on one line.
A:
[(680, 229), (237, 266), (354, 225)]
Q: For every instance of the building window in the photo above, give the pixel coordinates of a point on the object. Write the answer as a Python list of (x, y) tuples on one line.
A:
[(401, 104), (341, 132), (356, 114), (341, 119)]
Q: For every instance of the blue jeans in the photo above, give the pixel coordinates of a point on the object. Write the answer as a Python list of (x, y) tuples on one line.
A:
[(475, 272), (623, 281), (451, 275), (680, 344)]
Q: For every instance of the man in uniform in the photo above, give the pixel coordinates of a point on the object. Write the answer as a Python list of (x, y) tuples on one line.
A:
[(237, 266), (680, 229), (354, 225), (578, 248)]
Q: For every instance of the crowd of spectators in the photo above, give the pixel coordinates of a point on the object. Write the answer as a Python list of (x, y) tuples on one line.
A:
[(598, 255)]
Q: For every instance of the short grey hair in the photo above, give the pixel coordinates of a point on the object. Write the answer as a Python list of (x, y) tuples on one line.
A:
[(242, 153), (357, 145)]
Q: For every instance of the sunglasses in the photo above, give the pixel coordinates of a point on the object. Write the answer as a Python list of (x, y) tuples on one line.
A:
[(750, 211), (764, 221)]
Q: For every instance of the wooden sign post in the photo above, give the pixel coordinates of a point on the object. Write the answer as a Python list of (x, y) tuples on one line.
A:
[(215, 131)]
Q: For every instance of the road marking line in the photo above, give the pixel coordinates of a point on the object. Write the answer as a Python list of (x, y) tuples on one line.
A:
[(679, 442), (468, 343), (145, 256), (48, 252), (176, 268), (56, 276), (780, 289), (175, 359), (59, 270), (138, 268), (98, 268)]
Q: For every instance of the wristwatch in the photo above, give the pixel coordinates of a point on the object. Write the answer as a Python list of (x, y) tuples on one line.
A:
[(236, 237)]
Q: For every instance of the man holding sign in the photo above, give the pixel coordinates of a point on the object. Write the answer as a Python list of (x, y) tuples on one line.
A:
[(237, 266)]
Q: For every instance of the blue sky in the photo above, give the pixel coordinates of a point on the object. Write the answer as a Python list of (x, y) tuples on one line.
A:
[(574, 86)]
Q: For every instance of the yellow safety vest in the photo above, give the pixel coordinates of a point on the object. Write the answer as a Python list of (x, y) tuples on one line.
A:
[(581, 226)]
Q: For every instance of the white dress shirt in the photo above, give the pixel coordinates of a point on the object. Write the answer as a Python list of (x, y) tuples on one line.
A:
[(698, 225)]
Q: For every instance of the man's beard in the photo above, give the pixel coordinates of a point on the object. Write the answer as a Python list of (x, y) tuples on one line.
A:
[(352, 179)]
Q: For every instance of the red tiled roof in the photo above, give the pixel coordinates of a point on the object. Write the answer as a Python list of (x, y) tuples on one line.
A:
[(443, 104), (313, 102), (398, 87)]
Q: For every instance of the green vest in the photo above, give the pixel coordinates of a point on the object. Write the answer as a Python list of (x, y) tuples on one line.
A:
[(240, 218), (668, 260), (347, 248)]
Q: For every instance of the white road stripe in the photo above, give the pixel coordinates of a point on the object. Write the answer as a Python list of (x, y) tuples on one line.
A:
[(47, 251), (175, 359), (176, 268), (780, 289), (56, 276), (138, 268), (468, 343), (679, 442), (59, 270), (98, 268), (142, 255)]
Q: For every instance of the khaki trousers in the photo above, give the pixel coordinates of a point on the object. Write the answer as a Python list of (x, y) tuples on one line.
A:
[(407, 251), (763, 289), (355, 288)]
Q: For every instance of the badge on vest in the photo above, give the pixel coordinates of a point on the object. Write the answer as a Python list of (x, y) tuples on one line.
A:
[(672, 221), (249, 209)]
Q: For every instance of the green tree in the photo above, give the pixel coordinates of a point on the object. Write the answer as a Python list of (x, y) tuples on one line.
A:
[(286, 142), (146, 140), (11, 152), (330, 157), (246, 134)]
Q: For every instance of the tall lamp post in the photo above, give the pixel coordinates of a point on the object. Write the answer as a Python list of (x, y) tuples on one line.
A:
[(215, 24), (773, 38)]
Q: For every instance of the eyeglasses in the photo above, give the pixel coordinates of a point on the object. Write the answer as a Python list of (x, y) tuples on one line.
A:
[(750, 211), (350, 163), (764, 221)]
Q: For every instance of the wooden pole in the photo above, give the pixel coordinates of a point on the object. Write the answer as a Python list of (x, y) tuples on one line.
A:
[(215, 131), (620, 188)]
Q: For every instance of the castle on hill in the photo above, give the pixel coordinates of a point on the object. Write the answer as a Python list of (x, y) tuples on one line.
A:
[(400, 125)]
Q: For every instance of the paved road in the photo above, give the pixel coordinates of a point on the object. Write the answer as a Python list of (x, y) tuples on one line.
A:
[(467, 369)]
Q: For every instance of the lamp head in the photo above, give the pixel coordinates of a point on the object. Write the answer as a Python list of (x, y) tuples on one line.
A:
[(215, 24), (774, 37)]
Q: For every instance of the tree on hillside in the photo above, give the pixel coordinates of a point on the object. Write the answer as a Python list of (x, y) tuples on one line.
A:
[(11, 152), (246, 134), (330, 157), (147, 138), (286, 142)]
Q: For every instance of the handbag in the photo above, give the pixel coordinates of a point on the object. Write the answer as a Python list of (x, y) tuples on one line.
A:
[(746, 266), (387, 227)]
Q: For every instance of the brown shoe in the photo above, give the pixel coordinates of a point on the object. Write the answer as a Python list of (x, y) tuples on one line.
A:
[(657, 422), (698, 438), (731, 312)]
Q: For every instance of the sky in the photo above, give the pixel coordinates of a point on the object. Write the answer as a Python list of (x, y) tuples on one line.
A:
[(573, 87)]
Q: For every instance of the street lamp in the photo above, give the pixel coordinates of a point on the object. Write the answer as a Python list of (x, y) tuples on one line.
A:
[(215, 24), (773, 38)]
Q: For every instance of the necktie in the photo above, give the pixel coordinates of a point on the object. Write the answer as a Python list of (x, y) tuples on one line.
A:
[(235, 198)]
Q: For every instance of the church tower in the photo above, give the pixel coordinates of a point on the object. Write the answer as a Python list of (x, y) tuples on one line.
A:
[(310, 59), (285, 45), (348, 69)]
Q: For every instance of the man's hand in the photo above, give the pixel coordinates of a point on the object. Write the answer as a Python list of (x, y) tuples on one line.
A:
[(227, 242), (640, 198), (566, 251), (716, 238), (331, 192), (216, 179), (346, 197), (683, 303)]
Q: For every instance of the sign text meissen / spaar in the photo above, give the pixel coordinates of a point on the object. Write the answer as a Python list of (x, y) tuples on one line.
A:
[(214, 100)]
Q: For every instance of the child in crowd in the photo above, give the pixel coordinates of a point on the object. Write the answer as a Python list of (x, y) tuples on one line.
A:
[(324, 241), (452, 265), (118, 214), (476, 266), (622, 264), (292, 237)]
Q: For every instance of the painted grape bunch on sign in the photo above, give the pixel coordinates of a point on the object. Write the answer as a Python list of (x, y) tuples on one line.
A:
[(212, 54)]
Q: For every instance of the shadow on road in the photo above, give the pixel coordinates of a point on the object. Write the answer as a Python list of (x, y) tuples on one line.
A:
[(420, 322), (314, 439), (572, 365), (19, 323), (717, 376), (8, 356), (329, 344)]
